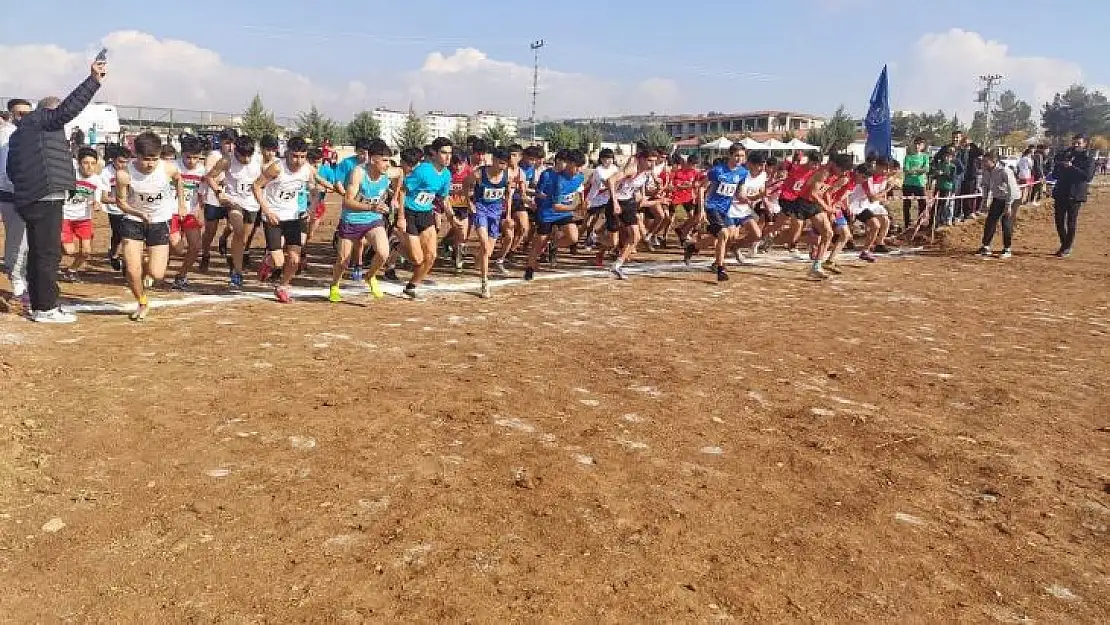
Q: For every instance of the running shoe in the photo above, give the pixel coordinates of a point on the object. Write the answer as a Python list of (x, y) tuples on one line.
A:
[(140, 312), (867, 256), (117, 263), (689, 252), (429, 282), (391, 274), (1006, 253), (202, 267), (984, 251), (356, 273), (499, 267), (815, 271), (56, 315), (235, 284), (283, 294), (1064, 253), (180, 283), (850, 246), (265, 269), (485, 293), (334, 296), (375, 288), (833, 267), (881, 249), (529, 274), (410, 291), (619, 272), (722, 275), (649, 243)]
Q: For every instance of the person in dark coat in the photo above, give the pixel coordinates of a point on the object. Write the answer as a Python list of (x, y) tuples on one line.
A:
[(40, 167), (1074, 169)]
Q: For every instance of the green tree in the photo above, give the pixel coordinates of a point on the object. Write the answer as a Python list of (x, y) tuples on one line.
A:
[(787, 137), (658, 138), (497, 135), (589, 138), (563, 137), (977, 132), (413, 134), (363, 127), (1076, 110), (458, 137), (837, 133), (257, 121), (1012, 115), (317, 127)]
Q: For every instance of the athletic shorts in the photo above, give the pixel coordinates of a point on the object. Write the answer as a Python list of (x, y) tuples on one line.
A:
[(461, 213), (416, 222), (690, 208), (737, 222), (718, 221), (214, 212), (250, 217), (629, 215), (491, 223), (355, 232), (76, 229), (153, 234), (804, 210), (188, 222), (546, 227), (597, 210), (519, 206), (864, 216), (841, 221), (290, 230)]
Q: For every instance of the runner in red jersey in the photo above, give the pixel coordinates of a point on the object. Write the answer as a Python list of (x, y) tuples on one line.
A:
[(815, 206), (458, 214), (791, 189), (839, 188), (685, 178)]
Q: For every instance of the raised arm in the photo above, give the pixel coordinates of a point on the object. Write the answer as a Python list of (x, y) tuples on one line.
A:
[(56, 119)]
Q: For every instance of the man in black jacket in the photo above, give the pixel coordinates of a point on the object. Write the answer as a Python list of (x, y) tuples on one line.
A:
[(1074, 170), (40, 166)]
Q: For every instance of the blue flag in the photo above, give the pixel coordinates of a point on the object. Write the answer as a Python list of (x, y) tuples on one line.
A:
[(877, 121)]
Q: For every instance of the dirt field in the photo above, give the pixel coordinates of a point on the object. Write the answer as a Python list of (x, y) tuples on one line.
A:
[(920, 440)]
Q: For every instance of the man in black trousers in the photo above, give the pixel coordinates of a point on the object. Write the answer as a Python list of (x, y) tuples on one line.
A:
[(1074, 170), (40, 167)]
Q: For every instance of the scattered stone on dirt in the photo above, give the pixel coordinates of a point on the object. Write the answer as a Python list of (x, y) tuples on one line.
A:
[(53, 525)]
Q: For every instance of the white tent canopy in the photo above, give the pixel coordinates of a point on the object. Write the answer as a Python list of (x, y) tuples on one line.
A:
[(798, 144), (719, 144), (752, 145)]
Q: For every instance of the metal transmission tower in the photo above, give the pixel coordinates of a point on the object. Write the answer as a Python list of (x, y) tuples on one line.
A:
[(986, 97), (536, 45)]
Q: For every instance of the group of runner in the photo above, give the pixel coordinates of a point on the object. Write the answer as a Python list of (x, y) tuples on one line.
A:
[(511, 201)]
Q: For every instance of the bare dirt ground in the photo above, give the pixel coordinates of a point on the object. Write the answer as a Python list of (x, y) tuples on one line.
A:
[(919, 440)]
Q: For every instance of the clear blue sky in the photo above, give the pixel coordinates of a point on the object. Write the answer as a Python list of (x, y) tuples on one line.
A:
[(819, 52)]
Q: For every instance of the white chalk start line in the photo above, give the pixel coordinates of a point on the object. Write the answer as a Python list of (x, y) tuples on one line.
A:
[(396, 289)]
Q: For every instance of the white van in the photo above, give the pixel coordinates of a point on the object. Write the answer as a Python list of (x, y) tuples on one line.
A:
[(103, 119)]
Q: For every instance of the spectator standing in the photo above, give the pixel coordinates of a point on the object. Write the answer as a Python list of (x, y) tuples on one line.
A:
[(915, 176), (41, 170), (1000, 185), (15, 237), (1074, 169), (1039, 172), (1025, 174), (970, 158), (92, 136), (76, 140)]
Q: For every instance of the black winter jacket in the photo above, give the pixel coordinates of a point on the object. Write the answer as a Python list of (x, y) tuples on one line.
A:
[(40, 162)]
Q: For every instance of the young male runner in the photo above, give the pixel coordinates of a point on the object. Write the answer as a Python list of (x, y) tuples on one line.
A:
[(745, 227), (117, 157), (362, 218), (815, 206), (458, 215), (723, 182), (213, 210), (185, 231), (143, 191), (490, 192), (866, 204), (684, 183), (558, 194), (77, 213), (277, 190), (426, 185), (339, 179), (524, 178), (236, 198), (841, 218), (622, 217), (597, 193)]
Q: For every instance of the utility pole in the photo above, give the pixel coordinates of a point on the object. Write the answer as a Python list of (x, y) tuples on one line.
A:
[(536, 45), (986, 97)]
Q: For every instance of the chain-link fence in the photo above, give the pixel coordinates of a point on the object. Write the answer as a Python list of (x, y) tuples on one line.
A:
[(138, 118)]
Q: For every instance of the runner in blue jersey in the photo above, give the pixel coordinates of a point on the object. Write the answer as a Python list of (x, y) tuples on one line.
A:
[(362, 218), (425, 186), (558, 195), (723, 182), (490, 192)]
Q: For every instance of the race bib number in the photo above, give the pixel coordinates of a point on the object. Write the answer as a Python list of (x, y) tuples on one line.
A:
[(726, 188), (149, 198), (424, 198), (285, 195), (78, 196), (372, 201), (493, 194), (456, 188), (569, 199), (798, 186)]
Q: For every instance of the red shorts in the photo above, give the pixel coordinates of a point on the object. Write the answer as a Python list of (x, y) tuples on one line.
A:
[(319, 210), (188, 222), (80, 229)]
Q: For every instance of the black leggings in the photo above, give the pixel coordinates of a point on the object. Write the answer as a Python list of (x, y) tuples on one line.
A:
[(911, 191), (998, 213), (116, 222)]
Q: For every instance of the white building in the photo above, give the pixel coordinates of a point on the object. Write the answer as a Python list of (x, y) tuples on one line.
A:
[(442, 124), (391, 123), (482, 121)]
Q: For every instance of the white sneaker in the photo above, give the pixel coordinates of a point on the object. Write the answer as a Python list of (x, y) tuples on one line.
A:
[(56, 315), (1006, 253)]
